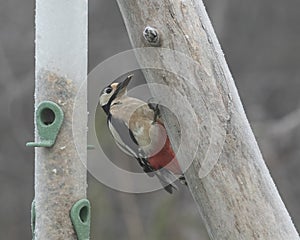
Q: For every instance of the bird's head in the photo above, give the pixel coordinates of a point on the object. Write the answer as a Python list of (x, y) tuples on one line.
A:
[(113, 92)]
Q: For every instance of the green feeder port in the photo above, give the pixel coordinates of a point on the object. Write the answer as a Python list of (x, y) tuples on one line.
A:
[(81, 219), (49, 118)]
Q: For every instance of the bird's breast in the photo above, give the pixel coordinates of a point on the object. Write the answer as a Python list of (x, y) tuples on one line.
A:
[(150, 136)]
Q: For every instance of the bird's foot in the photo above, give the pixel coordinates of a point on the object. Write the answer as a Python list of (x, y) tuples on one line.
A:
[(155, 108), (182, 180)]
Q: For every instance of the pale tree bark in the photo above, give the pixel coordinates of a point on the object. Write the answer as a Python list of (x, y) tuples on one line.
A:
[(228, 178), (61, 69)]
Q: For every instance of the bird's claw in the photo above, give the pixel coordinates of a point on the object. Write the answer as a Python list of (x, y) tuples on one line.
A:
[(155, 108)]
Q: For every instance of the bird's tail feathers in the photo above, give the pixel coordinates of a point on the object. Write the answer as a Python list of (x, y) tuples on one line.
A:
[(167, 179)]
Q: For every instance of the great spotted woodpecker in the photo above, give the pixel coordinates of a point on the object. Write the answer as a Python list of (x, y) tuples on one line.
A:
[(139, 131)]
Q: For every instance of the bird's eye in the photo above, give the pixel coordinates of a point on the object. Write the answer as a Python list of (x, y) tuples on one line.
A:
[(108, 90)]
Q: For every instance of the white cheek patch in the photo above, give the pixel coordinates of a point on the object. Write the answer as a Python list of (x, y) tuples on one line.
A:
[(104, 98)]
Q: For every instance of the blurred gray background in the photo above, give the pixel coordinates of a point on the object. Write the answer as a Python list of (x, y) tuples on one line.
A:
[(261, 41)]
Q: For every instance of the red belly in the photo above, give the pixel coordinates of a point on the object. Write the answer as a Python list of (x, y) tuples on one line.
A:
[(165, 158)]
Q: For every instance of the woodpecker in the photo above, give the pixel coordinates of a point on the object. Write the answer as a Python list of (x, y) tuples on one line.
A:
[(139, 131)]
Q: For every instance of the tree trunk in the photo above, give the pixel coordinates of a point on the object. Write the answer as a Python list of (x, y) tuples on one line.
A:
[(226, 173), (61, 68)]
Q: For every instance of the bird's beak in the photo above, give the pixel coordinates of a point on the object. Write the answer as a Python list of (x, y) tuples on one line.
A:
[(124, 84)]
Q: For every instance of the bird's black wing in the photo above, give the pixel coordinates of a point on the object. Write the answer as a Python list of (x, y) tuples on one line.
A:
[(127, 142)]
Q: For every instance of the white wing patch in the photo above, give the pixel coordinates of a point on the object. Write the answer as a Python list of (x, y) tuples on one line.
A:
[(126, 149)]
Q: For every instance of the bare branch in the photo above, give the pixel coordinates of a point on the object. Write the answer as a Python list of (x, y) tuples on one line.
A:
[(235, 193)]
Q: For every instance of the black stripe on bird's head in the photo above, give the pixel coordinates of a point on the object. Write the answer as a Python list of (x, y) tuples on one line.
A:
[(113, 92)]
